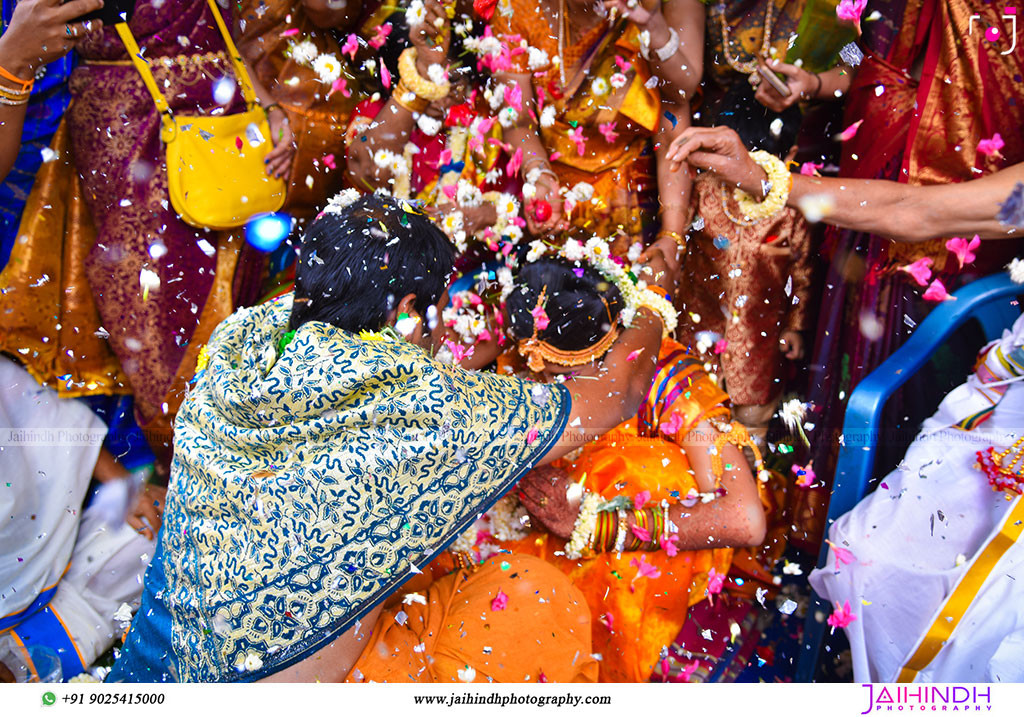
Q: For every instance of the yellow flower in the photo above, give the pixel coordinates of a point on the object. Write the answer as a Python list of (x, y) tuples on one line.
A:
[(203, 358), (371, 335)]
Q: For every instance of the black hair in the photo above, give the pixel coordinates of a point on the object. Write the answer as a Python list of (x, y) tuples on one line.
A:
[(580, 303), (356, 265), (738, 110)]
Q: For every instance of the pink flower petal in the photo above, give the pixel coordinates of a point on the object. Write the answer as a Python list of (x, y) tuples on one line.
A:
[(641, 498), (936, 292), (963, 249), (531, 436), (991, 147), (500, 601), (919, 270), (716, 581), (848, 133), (634, 354), (350, 47), (672, 425), (669, 545), (385, 76), (643, 533)]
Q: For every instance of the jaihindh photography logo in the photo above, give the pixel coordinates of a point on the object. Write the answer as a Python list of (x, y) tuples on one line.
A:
[(928, 698)]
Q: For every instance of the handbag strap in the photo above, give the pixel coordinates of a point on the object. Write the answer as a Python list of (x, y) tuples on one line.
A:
[(142, 65)]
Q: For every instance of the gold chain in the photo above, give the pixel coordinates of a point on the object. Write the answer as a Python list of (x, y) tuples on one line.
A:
[(747, 68)]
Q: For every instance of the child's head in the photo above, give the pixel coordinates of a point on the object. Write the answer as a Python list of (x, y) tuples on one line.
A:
[(582, 310), (360, 265)]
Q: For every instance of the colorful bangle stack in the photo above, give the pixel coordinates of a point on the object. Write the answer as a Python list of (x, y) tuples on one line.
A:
[(13, 97), (417, 84)]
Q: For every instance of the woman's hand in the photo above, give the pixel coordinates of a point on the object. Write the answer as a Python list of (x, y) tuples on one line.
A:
[(149, 507), (42, 31), (279, 159), (803, 85), (639, 12), (431, 38), (544, 492), (544, 210), (719, 150)]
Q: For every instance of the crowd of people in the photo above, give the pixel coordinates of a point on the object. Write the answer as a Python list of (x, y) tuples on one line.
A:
[(500, 341)]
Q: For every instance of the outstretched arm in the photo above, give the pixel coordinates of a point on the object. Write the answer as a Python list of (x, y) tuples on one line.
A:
[(902, 212)]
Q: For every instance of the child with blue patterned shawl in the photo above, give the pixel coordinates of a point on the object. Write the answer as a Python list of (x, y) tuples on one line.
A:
[(322, 459)]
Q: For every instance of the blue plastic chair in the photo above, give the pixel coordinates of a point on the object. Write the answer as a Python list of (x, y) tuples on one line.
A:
[(990, 301)]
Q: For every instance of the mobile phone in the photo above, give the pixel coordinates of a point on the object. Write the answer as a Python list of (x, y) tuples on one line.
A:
[(111, 13), (773, 79)]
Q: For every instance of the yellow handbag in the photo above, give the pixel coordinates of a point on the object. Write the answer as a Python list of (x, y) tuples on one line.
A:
[(215, 171)]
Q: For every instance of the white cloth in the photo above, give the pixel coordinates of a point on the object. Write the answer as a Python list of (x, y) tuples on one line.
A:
[(48, 450), (908, 536)]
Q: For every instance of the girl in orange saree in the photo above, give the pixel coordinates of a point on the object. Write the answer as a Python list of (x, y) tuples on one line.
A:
[(638, 581)]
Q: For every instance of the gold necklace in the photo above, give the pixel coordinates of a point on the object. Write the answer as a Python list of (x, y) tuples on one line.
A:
[(747, 68)]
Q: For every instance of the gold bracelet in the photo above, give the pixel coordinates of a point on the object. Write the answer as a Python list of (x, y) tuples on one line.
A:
[(17, 97), (419, 85), (678, 238), (408, 99), (13, 103)]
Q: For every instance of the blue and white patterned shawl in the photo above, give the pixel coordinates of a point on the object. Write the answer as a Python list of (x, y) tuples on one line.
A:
[(307, 487)]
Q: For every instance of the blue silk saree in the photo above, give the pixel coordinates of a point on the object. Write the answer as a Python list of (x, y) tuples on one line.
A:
[(308, 484)]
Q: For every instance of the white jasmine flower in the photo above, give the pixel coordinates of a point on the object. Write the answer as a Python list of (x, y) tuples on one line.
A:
[(1016, 269), (497, 97), (327, 68), (428, 125), (537, 58), (248, 663), (508, 117), (816, 207), (148, 280), (547, 116), (529, 191), (468, 674), (618, 80), (599, 86), (573, 250), (304, 52), (342, 199), (635, 250), (514, 233), (468, 195), (493, 176), (583, 192), (437, 74)]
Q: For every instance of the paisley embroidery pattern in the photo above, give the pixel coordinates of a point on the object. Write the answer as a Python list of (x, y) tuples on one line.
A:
[(306, 487)]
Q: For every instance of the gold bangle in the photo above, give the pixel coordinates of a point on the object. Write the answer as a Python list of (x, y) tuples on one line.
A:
[(408, 99), (13, 103), (416, 83), (678, 238)]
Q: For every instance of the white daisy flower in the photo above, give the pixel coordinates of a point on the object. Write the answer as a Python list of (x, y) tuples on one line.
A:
[(537, 250), (382, 158), (416, 15), (468, 194), (327, 68), (599, 86), (514, 233)]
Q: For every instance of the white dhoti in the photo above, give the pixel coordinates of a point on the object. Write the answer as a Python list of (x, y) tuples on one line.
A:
[(937, 578), (63, 573)]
